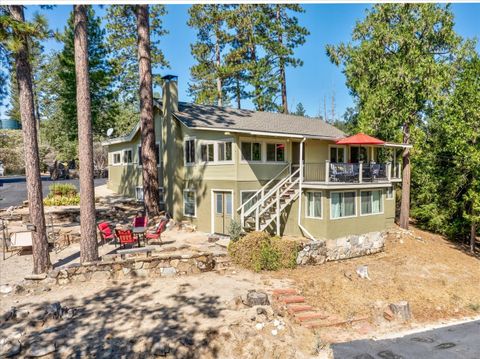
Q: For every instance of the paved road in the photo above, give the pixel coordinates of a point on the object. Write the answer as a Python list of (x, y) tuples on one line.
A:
[(460, 341), (14, 193)]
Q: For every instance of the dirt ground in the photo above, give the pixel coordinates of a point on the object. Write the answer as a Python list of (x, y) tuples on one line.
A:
[(438, 279)]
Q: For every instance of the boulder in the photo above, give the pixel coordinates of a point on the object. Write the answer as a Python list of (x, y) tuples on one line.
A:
[(256, 298)]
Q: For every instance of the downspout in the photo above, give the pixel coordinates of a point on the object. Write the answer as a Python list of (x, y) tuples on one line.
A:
[(304, 230)]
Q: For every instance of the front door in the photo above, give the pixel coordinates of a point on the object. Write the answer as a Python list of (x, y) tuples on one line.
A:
[(295, 160), (222, 211)]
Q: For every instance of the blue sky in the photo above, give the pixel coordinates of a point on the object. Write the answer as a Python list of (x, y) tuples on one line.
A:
[(327, 23)]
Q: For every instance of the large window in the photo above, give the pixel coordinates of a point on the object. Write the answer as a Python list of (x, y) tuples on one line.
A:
[(207, 152), (314, 204), (245, 196), (342, 204), (127, 156), (275, 152), (189, 204), (358, 154), (337, 154), (371, 202), (224, 150), (190, 151), (252, 151)]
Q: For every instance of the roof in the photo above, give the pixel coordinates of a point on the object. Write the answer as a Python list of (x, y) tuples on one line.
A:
[(256, 122), (360, 139)]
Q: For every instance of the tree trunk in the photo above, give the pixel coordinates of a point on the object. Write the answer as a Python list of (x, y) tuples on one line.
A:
[(238, 93), (219, 80), (405, 204), (149, 163), (473, 236), (281, 64), (41, 258), (88, 242)]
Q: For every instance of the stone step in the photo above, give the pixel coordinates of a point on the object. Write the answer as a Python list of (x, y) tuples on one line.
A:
[(310, 316), (292, 309), (284, 291), (292, 299)]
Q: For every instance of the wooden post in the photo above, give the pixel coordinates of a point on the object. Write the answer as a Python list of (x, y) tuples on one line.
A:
[(278, 212), (389, 171), (257, 219), (360, 170), (327, 171)]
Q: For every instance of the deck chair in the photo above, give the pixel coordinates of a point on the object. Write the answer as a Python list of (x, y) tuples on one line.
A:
[(106, 233), (157, 235), (125, 237)]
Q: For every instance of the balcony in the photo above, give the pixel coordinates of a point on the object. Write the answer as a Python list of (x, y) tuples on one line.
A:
[(351, 173)]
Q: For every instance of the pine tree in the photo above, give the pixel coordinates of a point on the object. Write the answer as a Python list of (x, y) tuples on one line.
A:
[(299, 110), (210, 71)]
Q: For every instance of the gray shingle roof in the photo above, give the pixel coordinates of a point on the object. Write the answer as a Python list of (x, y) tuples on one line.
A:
[(200, 116)]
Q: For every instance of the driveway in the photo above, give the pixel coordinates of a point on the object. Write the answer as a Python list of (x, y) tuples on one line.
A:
[(13, 193), (460, 341)]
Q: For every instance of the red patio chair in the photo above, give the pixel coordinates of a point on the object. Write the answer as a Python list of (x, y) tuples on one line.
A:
[(106, 233), (125, 236), (140, 222), (158, 232)]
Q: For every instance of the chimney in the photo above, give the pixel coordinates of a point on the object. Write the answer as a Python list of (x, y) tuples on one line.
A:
[(170, 94)]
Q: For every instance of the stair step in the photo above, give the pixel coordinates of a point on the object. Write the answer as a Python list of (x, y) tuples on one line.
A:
[(292, 299), (284, 291), (292, 309), (310, 316)]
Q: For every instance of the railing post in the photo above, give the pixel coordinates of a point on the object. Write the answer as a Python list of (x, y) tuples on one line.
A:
[(399, 170), (389, 171), (278, 212), (327, 171), (257, 219), (360, 171), (242, 216)]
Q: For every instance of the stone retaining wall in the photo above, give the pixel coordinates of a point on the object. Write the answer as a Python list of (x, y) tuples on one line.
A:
[(137, 266), (318, 252)]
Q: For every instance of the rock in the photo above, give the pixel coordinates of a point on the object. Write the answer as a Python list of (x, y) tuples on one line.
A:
[(259, 326), (10, 315), (388, 314), (256, 298), (40, 276), (168, 271), (5, 289), (274, 332), (261, 310), (39, 349), (402, 310), (10, 348), (362, 272), (160, 349)]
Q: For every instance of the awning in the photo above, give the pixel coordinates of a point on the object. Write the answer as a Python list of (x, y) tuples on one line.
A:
[(360, 139)]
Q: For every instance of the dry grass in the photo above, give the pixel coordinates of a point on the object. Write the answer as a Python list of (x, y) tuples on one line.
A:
[(437, 278)]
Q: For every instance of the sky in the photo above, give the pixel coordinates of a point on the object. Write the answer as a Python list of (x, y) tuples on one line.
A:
[(317, 79)]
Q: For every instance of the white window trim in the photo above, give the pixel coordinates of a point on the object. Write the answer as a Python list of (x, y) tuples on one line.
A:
[(159, 188), (224, 162), (262, 150), (284, 151), (355, 201), (159, 155), (381, 202), (246, 190), (183, 203), (196, 152), (123, 156), (321, 205), (212, 205), (121, 159), (338, 146), (393, 194)]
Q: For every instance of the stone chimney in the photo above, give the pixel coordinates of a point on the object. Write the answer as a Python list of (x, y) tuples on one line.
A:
[(170, 94)]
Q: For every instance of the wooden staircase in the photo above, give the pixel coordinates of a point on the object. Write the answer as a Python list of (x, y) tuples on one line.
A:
[(269, 203)]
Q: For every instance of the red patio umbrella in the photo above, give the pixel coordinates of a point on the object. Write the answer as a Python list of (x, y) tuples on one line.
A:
[(360, 139)]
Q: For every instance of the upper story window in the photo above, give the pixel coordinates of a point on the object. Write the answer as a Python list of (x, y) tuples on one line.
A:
[(275, 152), (337, 154), (252, 151), (189, 151), (117, 158), (157, 154), (127, 156), (342, 204), (224, 151), (207, 152)]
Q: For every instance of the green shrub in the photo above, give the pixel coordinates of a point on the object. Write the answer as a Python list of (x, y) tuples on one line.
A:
[(62, 195), (258, 251), (234, 230)]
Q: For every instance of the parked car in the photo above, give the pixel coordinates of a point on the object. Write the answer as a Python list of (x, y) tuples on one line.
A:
[(2, 169)]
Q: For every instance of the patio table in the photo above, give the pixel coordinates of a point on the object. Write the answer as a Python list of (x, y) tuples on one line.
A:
[(139, 231)]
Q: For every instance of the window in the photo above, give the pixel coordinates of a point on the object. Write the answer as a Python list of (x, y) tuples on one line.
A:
[(358, 154), (371, 202), (189, 205), (275, 152), (157, 154), (206, 151), (127, 156), (224, 150), (139, 194), (228, 203), (117, 158), (252, 151), (342, 204), (337, 154), (245, 196), (190, 151), (390, 193), (219, 200), (314, 204)]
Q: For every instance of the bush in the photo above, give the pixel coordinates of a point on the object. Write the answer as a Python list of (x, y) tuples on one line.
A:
[(62, 195), (234, 230), (258, 251)]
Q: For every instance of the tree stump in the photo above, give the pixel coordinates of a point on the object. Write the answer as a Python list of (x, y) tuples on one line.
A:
[(401, 310), (256, 298)]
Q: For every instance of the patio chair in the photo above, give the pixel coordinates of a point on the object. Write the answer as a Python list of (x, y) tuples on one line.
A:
[(106, 233), (158, 232), (140, 221), (125, 237)]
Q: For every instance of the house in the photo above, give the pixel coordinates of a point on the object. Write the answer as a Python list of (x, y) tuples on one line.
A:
[(281, 173)]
